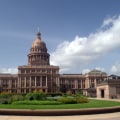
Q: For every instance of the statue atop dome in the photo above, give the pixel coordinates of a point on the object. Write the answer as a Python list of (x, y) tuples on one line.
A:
[(39, 35)]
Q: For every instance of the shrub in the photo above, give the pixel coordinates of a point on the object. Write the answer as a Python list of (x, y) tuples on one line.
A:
[(67, 100), (53, 98), (5, 95), (50, 98), (39, 96), (54, 94), (78, 98), (17, 97), (36, 96), (82, 99), (29, 96), (67, 94), (5, 101), (5, 98)]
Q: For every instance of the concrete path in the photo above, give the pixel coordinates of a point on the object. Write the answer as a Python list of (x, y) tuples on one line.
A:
[(110, 116), (117, 100)]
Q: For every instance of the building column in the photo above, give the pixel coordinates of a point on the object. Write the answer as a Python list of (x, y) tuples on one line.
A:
[(95, 82), (30, 85), (25, 86), (20, 85), (10, 85), (88, 83), (58, 82), (41, 81), (35, 81), (35, 85), (46, 85), (76, 84), (81, 84), (46, 81)]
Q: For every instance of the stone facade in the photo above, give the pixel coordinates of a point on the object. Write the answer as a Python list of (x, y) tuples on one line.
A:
[(8, 83), (39, 75), (84, 83), (109, 88)]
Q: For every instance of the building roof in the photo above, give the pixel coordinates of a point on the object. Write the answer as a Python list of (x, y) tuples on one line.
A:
[(96, 72), (8, 75), (38, 43)]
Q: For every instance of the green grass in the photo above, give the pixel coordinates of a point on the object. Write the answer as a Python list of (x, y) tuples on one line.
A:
[(90, 104), (36, 102)]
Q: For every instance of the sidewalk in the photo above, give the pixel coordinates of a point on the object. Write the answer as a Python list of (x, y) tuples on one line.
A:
[(110, 116), (117, 100)]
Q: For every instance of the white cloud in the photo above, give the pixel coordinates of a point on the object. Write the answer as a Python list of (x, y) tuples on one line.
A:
[(9, 70), (108, 22), (86, 71), (83, 50), (100, 68), (115, 69)]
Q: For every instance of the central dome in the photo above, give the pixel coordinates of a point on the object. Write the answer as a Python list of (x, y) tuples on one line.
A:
[(38, 42), (38, 53)]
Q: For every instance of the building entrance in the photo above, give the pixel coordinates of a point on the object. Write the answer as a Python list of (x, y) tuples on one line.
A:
[(102, 93)]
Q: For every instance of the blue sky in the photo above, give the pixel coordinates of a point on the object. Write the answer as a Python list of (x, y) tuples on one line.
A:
[(66, 27)]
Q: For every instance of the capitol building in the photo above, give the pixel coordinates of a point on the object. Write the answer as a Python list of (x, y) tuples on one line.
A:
[(39, 75)]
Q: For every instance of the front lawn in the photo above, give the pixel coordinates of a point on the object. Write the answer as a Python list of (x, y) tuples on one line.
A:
[(90, 104)]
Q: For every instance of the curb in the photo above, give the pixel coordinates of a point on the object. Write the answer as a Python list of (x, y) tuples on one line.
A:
[(61, 112)]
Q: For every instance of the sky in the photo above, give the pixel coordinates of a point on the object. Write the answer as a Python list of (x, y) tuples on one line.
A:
[(80, 35)]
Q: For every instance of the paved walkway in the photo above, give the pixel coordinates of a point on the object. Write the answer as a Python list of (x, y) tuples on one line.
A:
[(110, 116), (117, 100)]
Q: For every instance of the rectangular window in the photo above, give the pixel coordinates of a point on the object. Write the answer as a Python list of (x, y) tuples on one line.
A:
[(43, 80), (38, 80), (79, 83)]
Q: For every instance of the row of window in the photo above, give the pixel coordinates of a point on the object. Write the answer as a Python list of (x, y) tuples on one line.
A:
[(38, 71), (8, 83), (33, 83)]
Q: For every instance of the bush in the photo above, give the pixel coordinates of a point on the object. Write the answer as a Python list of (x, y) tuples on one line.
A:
[(5, 95), (82, 99), (50, 98), (78, 98), (54, 94), (53, 98), (29, 96), (67, 100), (17, 97), (36, 96), (5, 101), (5, 98)]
